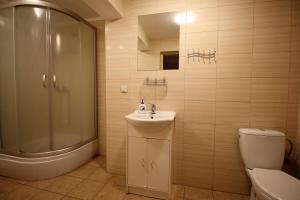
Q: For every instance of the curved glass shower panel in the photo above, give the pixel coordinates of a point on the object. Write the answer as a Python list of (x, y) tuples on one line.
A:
[(47, 80), (87, 81), (31, 78), (8, 108), (66, 75)]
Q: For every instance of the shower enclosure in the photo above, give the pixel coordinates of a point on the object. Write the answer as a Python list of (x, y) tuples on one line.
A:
[(47, 90)]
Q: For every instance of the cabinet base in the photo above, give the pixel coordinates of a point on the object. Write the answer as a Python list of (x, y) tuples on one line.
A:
[(148, 193)]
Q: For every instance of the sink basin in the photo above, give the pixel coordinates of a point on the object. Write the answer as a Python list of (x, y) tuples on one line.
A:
[(159, 118)]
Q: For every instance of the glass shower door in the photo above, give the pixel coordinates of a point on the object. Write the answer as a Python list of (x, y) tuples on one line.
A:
[(8, 104), (31, 78), (65, 80), (87, 81)]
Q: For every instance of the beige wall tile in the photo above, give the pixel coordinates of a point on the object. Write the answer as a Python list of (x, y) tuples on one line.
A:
[(200, 155), (199, 112), (269, 89), (271, 65), (205, 20), (292, 116), (233, 89), (295, 12), (198, 4), (116, 155), (200, 89), (233, 2), (272, 13), (268, 115), (235, 41), (196, 176), (197, 69), (294, 90), (202, 40), (295, 63), (271, 39), (227, 152), (234, 65), (174, 90), (295, 40), (177, 162), (201, 134), (232, 113), (231, 180), (238, 16)]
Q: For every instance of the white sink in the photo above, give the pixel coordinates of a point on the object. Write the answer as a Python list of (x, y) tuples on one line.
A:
[(159, 118)]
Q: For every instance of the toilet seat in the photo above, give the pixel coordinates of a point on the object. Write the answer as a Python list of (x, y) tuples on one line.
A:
[(275, 184)]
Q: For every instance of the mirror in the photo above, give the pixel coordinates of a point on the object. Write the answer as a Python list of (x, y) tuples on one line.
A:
[(158, 42)]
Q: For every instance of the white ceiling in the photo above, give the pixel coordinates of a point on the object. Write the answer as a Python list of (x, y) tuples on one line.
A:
[(77, 6), (160, 26), (88, 9)]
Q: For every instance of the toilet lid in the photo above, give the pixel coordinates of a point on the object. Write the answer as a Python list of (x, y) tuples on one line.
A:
[(277, 184)]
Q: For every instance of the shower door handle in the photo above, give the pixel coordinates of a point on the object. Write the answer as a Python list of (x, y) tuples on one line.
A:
[(44, 77), (54, 81)]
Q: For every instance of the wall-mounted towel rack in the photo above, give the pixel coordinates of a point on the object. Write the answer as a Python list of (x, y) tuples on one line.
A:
[(197, 55), (155, 81)]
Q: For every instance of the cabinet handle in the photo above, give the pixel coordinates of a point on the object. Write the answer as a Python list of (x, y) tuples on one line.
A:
[(44, 80), (54, 81), (143, 163), (152, 164)]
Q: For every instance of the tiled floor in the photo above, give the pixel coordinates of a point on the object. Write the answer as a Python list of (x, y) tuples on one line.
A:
[(92, 182)]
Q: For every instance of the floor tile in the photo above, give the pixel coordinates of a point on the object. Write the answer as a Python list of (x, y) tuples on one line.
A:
[(177, 192), (137, 197), (45, 195), (22, 193), (99, 161), (69, 198), (192, 193), (84, 171), (100, 175), (113, 190), (227, 196), (63, 184), (6, 187), (41, 184), (16, 180), (86, 190)]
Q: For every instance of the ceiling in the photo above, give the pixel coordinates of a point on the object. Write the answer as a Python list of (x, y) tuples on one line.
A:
[(88, 9), (160, 26)]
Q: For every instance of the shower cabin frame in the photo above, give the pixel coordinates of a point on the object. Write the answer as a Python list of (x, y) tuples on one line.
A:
[(48, 6)]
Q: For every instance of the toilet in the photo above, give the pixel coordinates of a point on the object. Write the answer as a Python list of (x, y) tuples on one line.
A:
[(263, 152)]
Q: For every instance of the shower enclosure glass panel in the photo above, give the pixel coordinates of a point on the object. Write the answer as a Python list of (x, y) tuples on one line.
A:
[(66, 96), (31, 74), (87, 82), (47, 80), (8, 108)]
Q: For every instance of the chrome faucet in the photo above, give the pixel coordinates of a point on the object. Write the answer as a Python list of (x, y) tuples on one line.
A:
[(153, 108)]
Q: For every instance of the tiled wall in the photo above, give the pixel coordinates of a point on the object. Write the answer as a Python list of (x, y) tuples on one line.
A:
[(254, 83), (101, 86), (298, 143)]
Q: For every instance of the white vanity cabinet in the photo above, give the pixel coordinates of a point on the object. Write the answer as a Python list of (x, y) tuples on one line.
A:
[(149, 159)]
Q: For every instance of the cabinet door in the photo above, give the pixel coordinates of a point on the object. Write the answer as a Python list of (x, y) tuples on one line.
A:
[(159, 164), (137, 162)]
